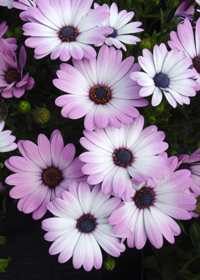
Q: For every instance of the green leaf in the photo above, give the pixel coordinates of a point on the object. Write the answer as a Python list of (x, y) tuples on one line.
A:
[(4, 264), (2, 240), (150, 261)]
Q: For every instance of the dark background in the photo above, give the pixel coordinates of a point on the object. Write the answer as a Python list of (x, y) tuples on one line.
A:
[(30, 259)]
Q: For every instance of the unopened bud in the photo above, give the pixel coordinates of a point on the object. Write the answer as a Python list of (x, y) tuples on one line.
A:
[(109, 264), (42, 115), (24, 107)]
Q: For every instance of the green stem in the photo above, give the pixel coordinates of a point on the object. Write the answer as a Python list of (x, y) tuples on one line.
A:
[(188, 263), (165, 21)]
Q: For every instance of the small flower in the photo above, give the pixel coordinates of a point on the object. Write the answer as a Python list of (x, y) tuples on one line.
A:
[(42, 173), (150, 212), (166, 73), (100, 89), (6, 3), (185, 40), (191, 163), (80, 226), (65, 29), (6, 139), (12, 81), (116, 154), (181, 12), (121, 29)]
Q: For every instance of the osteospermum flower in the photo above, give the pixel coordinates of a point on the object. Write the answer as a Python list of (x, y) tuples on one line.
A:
[(116, 154), (191, 163), (65, 29), (165, 73), (42, 173), (100, 89), (185, 40), (6, 139), (150, 211), (12, 81), (121, 29), (80, 226)]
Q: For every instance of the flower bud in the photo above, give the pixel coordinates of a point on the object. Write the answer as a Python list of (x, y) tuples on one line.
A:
[(171, 4), (41, 115), (146, 43), (197, 211), (109, 264), (24, 107)]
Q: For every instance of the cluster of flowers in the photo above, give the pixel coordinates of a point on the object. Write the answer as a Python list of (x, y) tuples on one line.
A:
[(124, 187)]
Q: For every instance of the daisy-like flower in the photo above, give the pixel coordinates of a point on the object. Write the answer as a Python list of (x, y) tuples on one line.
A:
[(181, 12), (100, 89), (185, 40), (80, 226), (42, 173), (191, 163), (12, 81), (116, 154), (150, 211), (8, 43), (6, 3), (65, 28), (6, 139), (168, 73), (121, 29)]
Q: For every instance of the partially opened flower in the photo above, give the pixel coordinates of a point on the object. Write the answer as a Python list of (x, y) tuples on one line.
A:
[(80, 226), (181, 12), (150, 212), (191, 163), (6, 139), (100, 89), (12, 81), (185, 40), (168, 73), (65, 29), (116, 154), (42, 173), (121, 30)]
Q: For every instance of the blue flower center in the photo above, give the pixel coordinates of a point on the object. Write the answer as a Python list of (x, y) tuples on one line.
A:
[(12, 75), (86, 223), (123, 157), (68, 33), (196, 63), (100, 94), (161, 80), (113, 34), (52, 177), (144, 198)]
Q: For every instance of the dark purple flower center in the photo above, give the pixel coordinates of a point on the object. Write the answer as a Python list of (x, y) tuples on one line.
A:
[(100, 94), (183, 166), (161, 80), (52, 177), (123, 157), (12, 75), (144, 198), (68, 33), (196, 63), (86, 223), (113, 34)]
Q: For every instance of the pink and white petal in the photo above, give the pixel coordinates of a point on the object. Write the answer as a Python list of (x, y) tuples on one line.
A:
[(119, 181), (67, 156), (157, 97), (88, 261), (139, 231), (57, 146), (79, 252), (173, 211), (70, 243), (197, 37), (44, 149), (42, 209), (152, 229), (108, 207)]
